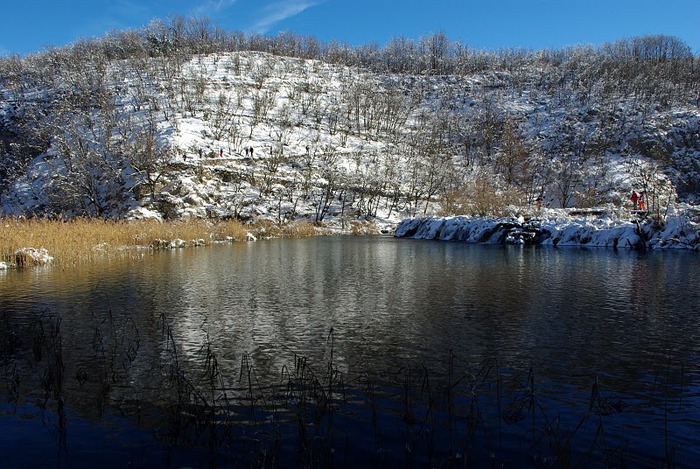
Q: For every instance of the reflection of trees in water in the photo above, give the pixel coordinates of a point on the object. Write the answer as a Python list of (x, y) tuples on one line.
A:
[(313, 412)]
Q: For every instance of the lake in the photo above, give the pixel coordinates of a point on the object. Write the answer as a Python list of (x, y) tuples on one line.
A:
[(347, 351)]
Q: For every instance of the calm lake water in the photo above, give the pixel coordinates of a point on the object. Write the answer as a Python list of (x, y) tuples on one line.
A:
[(354, 351)]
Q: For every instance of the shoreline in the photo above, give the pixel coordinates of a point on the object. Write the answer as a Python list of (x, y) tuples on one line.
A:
[(36, 242), (644, 234)]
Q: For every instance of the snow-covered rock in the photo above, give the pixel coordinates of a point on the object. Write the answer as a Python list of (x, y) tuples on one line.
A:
[(27, 257), (676, 233), (143, 213), (177, 243)]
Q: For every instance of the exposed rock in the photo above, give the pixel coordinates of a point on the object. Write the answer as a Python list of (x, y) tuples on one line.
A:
[(160, 244), (27, 257), (177, 243)]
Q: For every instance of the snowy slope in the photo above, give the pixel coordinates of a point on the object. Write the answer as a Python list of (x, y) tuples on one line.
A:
[(251, 135)]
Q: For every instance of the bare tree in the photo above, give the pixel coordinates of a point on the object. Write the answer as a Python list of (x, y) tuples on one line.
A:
[(148, 154)]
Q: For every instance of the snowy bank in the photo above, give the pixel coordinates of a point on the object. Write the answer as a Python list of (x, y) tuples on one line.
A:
[(677, 233)]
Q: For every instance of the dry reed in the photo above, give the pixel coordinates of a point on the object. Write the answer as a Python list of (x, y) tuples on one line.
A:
[(303, 229), (81, 240)]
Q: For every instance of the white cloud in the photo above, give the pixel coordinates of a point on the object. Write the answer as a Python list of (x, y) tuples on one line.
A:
[(212, 7), (280, 11)]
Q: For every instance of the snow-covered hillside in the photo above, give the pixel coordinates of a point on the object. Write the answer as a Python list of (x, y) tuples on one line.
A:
[(234, 135), (250, 134)]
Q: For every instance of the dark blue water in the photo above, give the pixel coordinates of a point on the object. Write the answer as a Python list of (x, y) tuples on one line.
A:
[(349, 351)]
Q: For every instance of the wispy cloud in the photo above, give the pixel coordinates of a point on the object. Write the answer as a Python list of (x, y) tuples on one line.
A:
[(280, 11), (212, 7), (129, 8)]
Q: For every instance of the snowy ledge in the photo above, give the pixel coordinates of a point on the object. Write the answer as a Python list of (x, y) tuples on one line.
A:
[(676, 233)]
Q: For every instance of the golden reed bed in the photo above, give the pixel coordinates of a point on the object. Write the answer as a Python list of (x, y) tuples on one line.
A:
[(79, 240)]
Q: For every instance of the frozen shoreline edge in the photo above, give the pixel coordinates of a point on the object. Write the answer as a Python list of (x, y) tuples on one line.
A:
[(676, 233)]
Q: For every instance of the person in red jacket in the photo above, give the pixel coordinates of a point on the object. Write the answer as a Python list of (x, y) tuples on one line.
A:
[(635, 200)]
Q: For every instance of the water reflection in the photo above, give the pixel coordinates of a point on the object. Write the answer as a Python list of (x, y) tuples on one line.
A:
[(624, 320)]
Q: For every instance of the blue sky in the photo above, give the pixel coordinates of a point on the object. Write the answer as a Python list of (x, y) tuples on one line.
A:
[(30, 25)]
